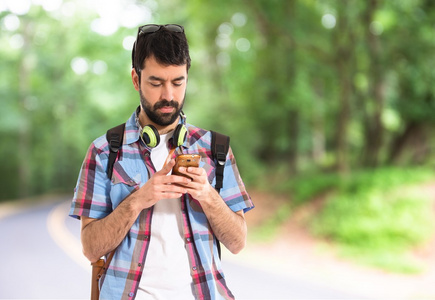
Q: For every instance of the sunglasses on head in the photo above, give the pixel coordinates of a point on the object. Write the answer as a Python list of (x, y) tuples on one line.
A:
[(151, 28)]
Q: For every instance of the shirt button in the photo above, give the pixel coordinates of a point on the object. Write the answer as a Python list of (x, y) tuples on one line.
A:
[(131, 294), (188, 239), (194, 268), (139, 265), (145, 237)]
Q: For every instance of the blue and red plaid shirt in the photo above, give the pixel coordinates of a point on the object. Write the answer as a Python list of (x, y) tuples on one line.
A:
[(96, 196)]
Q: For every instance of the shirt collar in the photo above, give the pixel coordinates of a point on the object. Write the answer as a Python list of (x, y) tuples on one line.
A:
[(131, 134)]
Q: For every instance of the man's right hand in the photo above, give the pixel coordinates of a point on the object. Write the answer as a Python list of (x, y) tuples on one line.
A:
[(160, 186)]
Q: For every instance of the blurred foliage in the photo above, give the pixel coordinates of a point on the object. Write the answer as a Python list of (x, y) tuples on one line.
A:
[(378, 216), (302, 86)]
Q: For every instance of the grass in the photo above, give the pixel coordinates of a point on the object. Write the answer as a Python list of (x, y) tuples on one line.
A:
[(374, 217), (378, 227)]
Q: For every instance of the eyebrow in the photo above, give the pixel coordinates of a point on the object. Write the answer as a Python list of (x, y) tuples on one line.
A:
[(155, 78)]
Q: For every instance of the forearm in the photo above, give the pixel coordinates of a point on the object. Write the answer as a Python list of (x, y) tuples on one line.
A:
[(100, 237), (228, 226)]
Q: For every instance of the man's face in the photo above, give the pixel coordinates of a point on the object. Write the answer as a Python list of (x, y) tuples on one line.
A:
[(162, 91)]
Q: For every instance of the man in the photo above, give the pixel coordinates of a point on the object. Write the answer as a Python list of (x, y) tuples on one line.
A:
[(165, 228)]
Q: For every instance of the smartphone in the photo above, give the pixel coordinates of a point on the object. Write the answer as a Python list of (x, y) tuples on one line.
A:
[(185, 160)]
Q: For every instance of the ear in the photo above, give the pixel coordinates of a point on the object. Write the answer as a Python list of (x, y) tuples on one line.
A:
[(135, 79)]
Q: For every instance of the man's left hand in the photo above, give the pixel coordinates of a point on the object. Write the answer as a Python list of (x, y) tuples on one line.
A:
[(199, 188)]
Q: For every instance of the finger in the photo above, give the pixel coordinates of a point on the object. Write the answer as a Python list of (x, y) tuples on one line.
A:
[(196, 171), (197, 174), (168, 159), (173, 191), (190, 171), (176, 179), (167, 167), (185, 174)]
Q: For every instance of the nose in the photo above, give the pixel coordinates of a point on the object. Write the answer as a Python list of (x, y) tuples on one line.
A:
[(167, 92)]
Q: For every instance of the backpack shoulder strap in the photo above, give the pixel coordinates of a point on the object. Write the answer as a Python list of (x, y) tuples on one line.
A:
[(114, 137), (220, 144)]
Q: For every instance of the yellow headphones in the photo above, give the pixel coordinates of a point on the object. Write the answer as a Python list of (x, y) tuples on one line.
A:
[(151, 137)]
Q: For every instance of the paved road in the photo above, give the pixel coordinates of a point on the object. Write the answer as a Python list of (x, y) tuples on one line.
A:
[(40, 258)]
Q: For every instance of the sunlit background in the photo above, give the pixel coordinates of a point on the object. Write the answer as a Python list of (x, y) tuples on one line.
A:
[(330, 106)]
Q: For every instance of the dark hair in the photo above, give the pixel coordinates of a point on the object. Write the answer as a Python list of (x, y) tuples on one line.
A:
[(168, 48)]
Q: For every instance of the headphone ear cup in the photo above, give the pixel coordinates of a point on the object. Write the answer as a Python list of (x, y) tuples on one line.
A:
[(150, 136), (179, 135)]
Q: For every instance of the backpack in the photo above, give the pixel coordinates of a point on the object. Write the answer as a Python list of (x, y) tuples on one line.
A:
[(220, 144)]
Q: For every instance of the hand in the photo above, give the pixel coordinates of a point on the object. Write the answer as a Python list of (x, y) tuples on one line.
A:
[(161, 186), (199, 188)]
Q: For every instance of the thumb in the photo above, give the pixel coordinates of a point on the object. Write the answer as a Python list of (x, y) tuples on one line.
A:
[(167, 167)]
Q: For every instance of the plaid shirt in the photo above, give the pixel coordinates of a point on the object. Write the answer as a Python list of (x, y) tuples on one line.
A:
[(96, 196)]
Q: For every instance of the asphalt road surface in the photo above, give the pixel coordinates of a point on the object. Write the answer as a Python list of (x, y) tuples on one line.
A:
[(40, 258)]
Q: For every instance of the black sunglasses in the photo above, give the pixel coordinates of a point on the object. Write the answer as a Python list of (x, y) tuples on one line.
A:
[(151, 28)]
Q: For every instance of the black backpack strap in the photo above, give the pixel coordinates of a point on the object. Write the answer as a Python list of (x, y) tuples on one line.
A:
[(114, 137), (219, 148)]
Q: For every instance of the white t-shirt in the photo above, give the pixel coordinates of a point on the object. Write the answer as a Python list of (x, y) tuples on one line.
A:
[(166, 273)]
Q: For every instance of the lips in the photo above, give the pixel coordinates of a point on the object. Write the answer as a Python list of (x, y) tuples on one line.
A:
[(166, 109)]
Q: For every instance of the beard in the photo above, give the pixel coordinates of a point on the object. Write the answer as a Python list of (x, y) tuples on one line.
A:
[(161, 119)]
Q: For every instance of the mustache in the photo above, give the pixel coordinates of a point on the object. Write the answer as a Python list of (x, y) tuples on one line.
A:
[(164, 103)]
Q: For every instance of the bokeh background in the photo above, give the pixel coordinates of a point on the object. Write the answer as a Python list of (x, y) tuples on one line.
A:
[(330, 105)]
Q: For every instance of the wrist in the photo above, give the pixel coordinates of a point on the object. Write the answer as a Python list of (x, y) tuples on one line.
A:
[(134, 203), (211, 197)]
